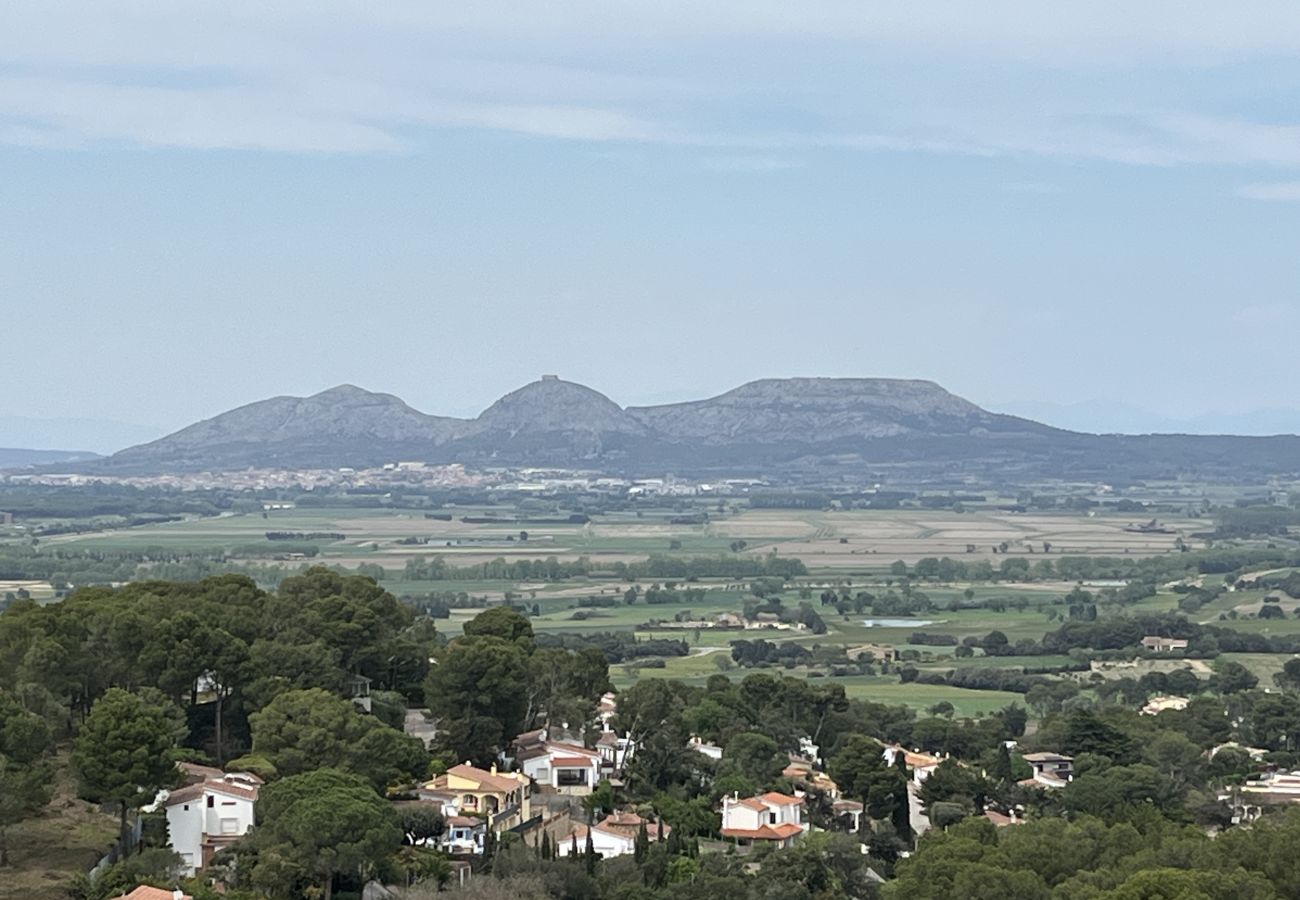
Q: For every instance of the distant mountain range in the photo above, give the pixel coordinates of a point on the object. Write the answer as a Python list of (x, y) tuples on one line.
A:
[(13, 457), (838, 429)]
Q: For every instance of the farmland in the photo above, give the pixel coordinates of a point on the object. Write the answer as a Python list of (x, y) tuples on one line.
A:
[(845, 553)]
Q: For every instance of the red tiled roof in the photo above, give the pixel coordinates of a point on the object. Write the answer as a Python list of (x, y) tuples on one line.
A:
[(571, 762), (500, 783), (765, 833), (752, 803), (781, 799), (195, 791), (145, 892)]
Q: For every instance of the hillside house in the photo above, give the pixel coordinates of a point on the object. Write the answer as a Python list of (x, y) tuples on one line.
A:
[(205, 817), (565, 768), (145, 892), (615, 835), (773, 818), (699, 745), (614, 752), (919, 764), (1158, 644), (503, 798), (1157, 705), (1051, 770), (464, 834)]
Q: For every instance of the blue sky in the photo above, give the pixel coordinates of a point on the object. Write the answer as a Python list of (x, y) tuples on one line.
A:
[(1087, 212)]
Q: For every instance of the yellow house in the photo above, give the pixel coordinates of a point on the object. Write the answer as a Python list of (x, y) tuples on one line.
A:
[(502, 798)]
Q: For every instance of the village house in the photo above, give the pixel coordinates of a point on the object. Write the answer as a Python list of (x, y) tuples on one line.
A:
[(503, 798), (876, 653), (145, 892), (209, 815), (699, 745), (614, 752), (1163, 644), (771, 817), (565, 768), (1051, 770), (804, 774), (615, 835), (464, 834), (919, 764), (1157, 705), (850, 811)]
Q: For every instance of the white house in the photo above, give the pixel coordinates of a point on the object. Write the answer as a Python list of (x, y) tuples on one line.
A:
[(615, 835), (920, 764), (699, 745), (614, 751), (204, 818), (566, 768), (465, 834), (773, 817)]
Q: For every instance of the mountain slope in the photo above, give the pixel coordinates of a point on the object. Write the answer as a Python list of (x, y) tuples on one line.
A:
[(344, 425), (811, 410), (12, 457)]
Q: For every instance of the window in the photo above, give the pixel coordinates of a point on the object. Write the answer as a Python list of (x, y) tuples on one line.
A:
[(211, 801), (570, 777), (771, 818), (230, 826)]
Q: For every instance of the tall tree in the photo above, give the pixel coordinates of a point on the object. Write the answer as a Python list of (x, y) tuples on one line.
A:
[(316, 826), (304, 730), (124, 754)]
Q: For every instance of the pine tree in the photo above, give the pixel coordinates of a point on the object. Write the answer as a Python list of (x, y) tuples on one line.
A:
[(641, 844)]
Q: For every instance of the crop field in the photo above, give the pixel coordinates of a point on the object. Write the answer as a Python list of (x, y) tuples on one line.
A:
[(850, 550), (833, 542)]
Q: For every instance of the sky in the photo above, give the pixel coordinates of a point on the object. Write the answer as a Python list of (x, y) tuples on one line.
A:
[(1089, 213)]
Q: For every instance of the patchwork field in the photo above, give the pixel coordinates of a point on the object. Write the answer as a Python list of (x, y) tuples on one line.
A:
[(834, 542)]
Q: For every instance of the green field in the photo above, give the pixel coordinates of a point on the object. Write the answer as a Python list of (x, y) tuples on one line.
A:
[(850, 550)]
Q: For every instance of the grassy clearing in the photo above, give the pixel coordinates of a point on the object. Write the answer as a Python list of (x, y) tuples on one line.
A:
[(70, 836)]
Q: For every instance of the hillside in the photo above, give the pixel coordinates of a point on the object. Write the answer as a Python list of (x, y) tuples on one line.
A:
[(13, 457), (842, 429)]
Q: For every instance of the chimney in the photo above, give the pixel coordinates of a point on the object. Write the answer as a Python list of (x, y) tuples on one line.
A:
[(178, 894), (494, 768)]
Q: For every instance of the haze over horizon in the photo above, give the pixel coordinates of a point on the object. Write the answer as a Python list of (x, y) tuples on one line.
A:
[(1083, 215)]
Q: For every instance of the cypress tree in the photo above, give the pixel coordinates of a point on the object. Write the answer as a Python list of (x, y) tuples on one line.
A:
[(590, 854), (641, 844), (573, 851)]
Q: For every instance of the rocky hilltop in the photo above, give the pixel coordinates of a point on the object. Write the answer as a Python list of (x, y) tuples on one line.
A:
[(840, 428), (820, 409)]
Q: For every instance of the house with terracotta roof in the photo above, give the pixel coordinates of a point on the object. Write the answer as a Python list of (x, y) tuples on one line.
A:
[(145, 892), (919, 764), (770, 817), (209, 815), (502, 798), (565, 768), (614, 835), (803, 774)]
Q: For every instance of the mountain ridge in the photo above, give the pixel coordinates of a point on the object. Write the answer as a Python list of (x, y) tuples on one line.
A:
[(785, 425)]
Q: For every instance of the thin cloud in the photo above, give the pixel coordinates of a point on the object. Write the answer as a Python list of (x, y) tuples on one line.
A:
[(1273, 191), (750, 165)]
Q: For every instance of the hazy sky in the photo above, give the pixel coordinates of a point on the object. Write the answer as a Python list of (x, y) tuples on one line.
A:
[(1081, 205)]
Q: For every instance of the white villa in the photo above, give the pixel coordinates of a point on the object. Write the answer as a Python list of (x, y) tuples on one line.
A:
[(773, 817), (204, 818)]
